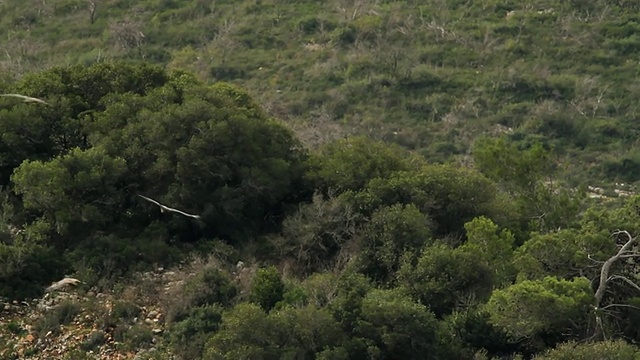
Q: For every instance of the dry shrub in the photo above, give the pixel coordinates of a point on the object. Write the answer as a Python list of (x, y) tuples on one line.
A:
[(316, 235), (202, 282)]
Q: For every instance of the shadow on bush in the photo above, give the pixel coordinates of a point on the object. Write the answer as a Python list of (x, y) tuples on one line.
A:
[(207, 287), (39, 269), (110, 256)]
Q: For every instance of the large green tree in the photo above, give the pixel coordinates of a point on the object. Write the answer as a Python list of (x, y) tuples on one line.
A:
[(542, 312), (449, 195), (38, 132), (79, 192), (114, 131), (209, 150)]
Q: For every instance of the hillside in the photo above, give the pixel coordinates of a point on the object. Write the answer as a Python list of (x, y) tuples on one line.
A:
[(319, 180), (430, 77)]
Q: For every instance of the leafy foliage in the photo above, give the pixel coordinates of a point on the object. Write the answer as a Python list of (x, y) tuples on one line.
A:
[(115, 131), (78, 193), (617, 349), (447, 194), (543, 311), (361, 248), (349, 164), (210, 286), (564, 254), (447, 279), (246, 331), (390, 233), (267, 288), (189, 336), (393, 326)]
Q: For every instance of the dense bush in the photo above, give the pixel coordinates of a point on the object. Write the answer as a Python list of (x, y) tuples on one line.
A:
[(188, 337), (618, 350), (267, 288), (116, 131), (208, 287)]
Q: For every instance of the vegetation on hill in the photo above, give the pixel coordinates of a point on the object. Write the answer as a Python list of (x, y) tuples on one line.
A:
[(428, 76), (398, 180), (358, 250)]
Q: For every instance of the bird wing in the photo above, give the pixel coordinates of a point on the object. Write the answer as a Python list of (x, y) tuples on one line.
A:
[(166, 208), (150, 200), (185, 214), (26, 98), (180, 212), (14, 95)]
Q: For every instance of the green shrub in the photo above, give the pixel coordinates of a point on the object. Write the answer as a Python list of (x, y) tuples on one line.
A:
[(267, 287), (209, 286), (601, 350), (41, 265), (188, 337), (15, 328), (294, 296), (344, 35), (94, 340), (133, 338), (78, 354), (62, 314), (125, 310), (112, 256)]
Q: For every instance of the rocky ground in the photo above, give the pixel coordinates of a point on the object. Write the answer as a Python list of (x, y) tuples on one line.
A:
[(82, 323), (620, 190), (126, 321)]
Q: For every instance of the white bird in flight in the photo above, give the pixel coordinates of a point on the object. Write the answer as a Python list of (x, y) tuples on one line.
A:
[(26, 98), (166, 208)]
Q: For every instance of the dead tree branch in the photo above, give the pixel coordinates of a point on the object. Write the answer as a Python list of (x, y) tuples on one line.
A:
[(606, 267), (91, 6), (625, 251)]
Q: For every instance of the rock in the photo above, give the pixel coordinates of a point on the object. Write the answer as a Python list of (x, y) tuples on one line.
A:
[(152, 314), (156, 331)]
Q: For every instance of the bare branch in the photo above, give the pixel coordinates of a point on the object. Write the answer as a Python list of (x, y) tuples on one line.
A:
[(92, 5), (606, 267), (634, 285), (624, 252), (619, 305)]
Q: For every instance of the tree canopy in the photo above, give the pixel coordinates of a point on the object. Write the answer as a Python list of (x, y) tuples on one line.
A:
[(356, 250)]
